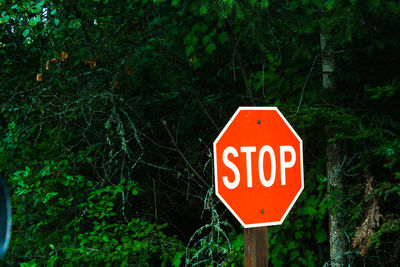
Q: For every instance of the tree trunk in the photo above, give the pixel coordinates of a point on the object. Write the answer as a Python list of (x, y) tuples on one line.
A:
[(333, 152)]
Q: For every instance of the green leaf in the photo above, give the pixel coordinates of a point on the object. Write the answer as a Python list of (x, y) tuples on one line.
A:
[(40, 4), (26, 32), (264, 3), (56, 22), (330, 4), (75, 24), (189, 50), (135, 191), (176, 261), (195, 62), (291, 245), (201, 27), (321, 236), (203, 8), (49, 196), (33, 21), (206, 39), (223, 37), (298, 235), (310, 211), (191, 38), (4, 19), (210, 48)]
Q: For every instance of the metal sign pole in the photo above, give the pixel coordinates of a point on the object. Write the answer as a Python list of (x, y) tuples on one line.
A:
[(5, 218)]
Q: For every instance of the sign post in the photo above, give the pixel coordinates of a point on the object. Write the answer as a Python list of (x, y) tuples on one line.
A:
[(258, 163), (5, 218), (256, 246)]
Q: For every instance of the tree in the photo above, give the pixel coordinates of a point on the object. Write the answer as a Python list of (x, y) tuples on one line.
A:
[(334, 161)]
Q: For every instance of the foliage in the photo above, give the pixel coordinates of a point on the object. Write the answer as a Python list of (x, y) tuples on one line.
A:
[(109, 110)]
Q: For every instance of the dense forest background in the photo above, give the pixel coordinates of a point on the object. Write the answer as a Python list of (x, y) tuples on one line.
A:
[(108, 111)]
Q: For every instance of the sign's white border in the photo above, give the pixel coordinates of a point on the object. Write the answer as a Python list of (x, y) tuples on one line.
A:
[(215, 167)]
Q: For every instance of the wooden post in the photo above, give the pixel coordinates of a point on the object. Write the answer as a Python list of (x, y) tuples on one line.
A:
[(256, 247)]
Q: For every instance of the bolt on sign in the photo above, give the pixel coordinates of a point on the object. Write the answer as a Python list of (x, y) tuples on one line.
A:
[(258, 163)]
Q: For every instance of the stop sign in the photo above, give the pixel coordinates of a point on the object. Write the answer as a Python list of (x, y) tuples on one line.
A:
[(258, 164)]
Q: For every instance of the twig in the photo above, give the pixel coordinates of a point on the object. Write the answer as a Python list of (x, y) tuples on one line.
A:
[(304, 87), (182, 155), (89, 40), (243, 71), (155, 200), (205, 110)]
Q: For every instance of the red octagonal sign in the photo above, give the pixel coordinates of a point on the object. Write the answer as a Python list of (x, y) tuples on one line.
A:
[(258, 162)]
